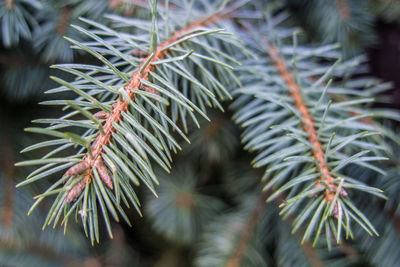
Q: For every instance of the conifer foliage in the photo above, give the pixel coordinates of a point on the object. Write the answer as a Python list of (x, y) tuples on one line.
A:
[(124, 108), (304, 139), (219, 122)]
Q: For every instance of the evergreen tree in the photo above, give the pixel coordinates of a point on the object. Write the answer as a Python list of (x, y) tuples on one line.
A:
[(204, 133)]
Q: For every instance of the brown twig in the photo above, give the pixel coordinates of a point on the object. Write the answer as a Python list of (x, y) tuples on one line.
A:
[(312, 255), (394, 217), (10, 4), (308, 124), (247, 231), (350, 252), (185, 200), (214, 127), (63, 20), (8, 168), (121, 105), (344, 9), (47, 252)]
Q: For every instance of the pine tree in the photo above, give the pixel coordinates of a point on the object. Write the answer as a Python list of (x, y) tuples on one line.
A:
[(170, 95)]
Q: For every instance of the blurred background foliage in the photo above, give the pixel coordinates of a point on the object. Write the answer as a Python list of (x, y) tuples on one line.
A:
[(210, 202)]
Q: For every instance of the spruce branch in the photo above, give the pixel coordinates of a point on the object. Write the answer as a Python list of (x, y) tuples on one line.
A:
[(93, 157), (229, 240), (40, 250), (347, 22), (17, 20), (137, 112), (23, 243), (308, 125), (387, 10), (247, 232), (303, 138)]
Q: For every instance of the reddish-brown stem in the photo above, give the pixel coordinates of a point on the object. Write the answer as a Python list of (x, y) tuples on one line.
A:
[(185, 200), (121, 105), (344, 9), (312, 255), (63, 20), (251, 225), (10, 4), (214, 127), (308, 123), (7, 165), (350, 252), (247, 232), (395, 218), (13, 246)]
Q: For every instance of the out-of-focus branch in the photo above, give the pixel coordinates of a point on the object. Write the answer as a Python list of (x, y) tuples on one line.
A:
[(8, 169), (308, 249), (344, 9), (63, 21), (248, 231), (10, 4)]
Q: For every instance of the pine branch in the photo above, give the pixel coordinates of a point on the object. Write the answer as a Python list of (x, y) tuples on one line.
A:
[(347, 22), (309, 161), (47, 252), (17, 19), (308, 124), (55, 19), (93, 157), (308, 248), (247, 232), (387, 10), (133, 124), (228, 240)]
